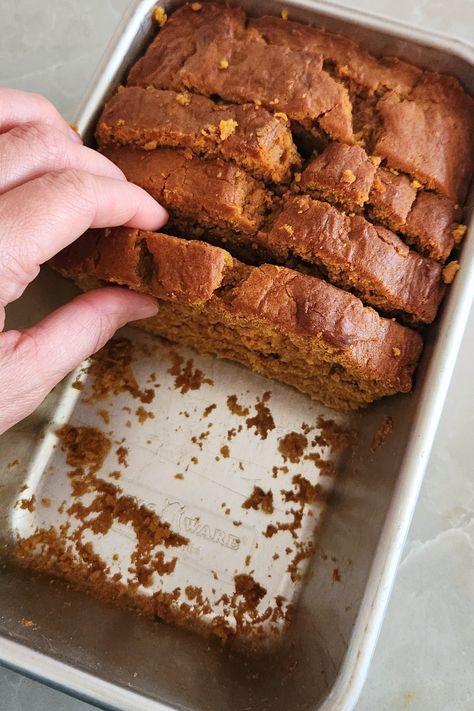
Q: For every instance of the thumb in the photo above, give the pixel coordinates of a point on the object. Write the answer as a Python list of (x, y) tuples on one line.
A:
[(32, 362)]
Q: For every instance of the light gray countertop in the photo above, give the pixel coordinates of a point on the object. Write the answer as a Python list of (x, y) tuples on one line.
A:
[(424, 660)]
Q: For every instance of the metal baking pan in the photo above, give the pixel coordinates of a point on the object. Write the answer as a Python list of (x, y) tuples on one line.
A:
[(118, 660)]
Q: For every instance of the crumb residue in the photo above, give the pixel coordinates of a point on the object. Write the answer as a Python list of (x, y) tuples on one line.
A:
[(305, 492), (235, 408), (122, 455), (251, 591), (186, 377), (28, 504), (304, 551), (332, 435), (65, 553), (104, 414), (263, 420), (111, 373), (144, 415), (24, 622), (325, 466), (84, 446), (207, 411), (259, 499), (225, 451), (383, 431), (292, 446)]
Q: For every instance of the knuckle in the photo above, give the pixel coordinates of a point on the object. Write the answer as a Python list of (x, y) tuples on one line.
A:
[(38, 137), (79, 184), (47, 109)]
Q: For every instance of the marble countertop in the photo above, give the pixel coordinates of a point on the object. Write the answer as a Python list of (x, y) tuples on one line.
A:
[(424, 658)]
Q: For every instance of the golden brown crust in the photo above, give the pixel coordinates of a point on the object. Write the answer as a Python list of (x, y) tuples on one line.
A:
[(348, 176), (342, 174), (391, 199), (356, 337), (430, 135), (248, 135), (354, 254), (350, 60), (261, 73), (308, 306), (179, 38), (431, 224)]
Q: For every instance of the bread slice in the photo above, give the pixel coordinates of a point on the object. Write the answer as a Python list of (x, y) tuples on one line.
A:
[(212, 52), (349, 177), (289, 326), (242, 133), (214, 194), (366, 259)]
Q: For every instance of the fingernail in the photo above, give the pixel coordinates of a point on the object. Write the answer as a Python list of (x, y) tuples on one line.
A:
[(73, 133), (147, 308)]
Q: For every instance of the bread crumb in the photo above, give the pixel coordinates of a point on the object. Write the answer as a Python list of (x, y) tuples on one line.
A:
[(450, 271), (46, 502), (227, 128), (179, 475), (297, 177), (224, 64), (196, 6), (384, 430), (416, 184), (160, 16), (284, 14), (24, 622), (396, 351), (343, 70), (378, 185), (281, 115), (259, 499), (104, 415), (288, 228), (183, 98), (150, 145), (458, 233), (143, 414), (348, 176), (120, 88), (209, 130)]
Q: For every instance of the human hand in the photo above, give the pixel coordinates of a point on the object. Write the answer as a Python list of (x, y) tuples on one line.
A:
[(52, 189)]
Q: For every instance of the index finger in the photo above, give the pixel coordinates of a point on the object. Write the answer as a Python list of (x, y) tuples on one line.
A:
[(46, 214), (22, 107)]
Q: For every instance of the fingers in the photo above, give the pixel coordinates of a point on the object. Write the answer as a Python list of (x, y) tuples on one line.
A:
[(32, 149), (22, 107), (44, 215), (34, 361)]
